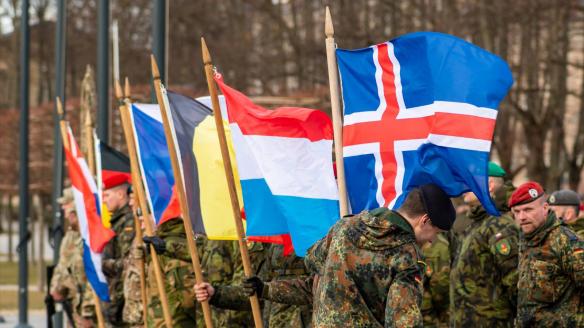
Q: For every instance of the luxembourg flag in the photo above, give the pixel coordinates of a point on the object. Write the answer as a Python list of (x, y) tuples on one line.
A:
[(95, 235), (284, 160)]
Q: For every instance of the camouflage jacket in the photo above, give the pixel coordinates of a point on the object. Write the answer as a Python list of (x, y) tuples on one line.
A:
[(178, 276), (369, 273), (551, 277), (483, 276), (279, 307), (435, 303), (114, 253), (133, 266), (578, 227)]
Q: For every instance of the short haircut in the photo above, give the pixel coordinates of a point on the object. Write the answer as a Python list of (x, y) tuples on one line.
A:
[(413, 205)]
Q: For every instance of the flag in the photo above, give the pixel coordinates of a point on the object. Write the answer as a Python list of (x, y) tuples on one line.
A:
[(284, 159), (197, 142), (95, 236), (419, 109), (154, 160)]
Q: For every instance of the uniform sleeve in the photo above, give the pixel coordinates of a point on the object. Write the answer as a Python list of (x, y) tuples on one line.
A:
[(505, 250), (317, 254), (59, 281), (231, 297), (218, 262), (405, 293), (88, 302), (572, 257), (291, 291), (177, 248)]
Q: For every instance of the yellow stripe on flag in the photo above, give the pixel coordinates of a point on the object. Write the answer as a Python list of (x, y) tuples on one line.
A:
[(106, 216), (215, 202)]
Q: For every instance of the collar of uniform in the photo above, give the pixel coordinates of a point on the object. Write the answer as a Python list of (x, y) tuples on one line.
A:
[(119, 213), (400, 221), (535, 238), (477, 213)]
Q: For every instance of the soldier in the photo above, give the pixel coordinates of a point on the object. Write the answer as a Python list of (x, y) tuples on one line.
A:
[(175, 261), (437, 283), (116, 198), (133, 310), (368, 268), (274, 267), (566, 206), (483, 276), (69, 282), (551, 264)]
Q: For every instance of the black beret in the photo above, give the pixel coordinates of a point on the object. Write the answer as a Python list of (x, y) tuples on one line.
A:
[(438, 206), (564, 197)]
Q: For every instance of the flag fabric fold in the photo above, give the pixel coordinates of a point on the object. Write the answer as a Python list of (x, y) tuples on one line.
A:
[(154, 160), (284, 160), (95, 236), (419, 109)]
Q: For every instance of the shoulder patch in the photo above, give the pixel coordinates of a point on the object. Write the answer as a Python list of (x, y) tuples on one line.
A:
[(429, 271), (577, 251), (503, 247)]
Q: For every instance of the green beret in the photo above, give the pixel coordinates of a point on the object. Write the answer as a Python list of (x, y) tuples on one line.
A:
[(496, 171)]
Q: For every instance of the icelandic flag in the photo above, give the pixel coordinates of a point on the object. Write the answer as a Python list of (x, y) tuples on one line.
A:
[(95, 236), (154, 159), (419, 109), (284, 159)]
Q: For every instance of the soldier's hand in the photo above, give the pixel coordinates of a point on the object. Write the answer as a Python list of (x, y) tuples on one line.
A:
[(157, 242), (253, 285), (57, 297), (204, 291), (108, 268)]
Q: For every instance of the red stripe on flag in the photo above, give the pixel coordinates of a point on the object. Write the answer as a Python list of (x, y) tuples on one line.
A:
[(290, 122)]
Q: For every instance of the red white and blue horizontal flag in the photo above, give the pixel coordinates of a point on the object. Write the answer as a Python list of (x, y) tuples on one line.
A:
[(418, 109), (284, 161), (95, 236)]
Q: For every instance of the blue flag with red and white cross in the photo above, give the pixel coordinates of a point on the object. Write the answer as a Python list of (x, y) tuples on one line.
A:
[(419, 109)]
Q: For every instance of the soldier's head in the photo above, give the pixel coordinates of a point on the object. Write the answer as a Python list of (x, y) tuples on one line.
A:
[(115, 193), (67, 203), (496, 182), (429, 210), (529, 207), (566, 205)]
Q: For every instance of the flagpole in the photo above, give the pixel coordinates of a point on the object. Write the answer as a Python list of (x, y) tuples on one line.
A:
[(66, 145), (139, 190), (255, 304), (336, 111), (180, 188)]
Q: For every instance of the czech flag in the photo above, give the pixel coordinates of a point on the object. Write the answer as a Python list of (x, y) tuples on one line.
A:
[(95, 235)]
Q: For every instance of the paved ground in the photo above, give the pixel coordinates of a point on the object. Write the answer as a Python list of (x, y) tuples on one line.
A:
[(36, 319)]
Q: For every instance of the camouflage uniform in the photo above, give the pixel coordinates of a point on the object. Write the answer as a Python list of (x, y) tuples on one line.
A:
[(69, 278), (133, 310), (578, 227), (179, 279), (278, 309), (551, 277), (437, 283), (114, 255), (483, 276), (370, 273), (221, 263)]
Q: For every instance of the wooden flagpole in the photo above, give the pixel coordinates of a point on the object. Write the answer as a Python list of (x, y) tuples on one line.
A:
[(64, 136), (180, 187), (336, 111), (135, 181), (139, 190), (255, 304)]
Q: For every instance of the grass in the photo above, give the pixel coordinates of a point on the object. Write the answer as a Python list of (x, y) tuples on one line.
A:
[(9, 273), (9, 300)]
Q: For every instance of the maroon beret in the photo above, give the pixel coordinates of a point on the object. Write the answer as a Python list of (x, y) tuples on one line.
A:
[(526, 193)]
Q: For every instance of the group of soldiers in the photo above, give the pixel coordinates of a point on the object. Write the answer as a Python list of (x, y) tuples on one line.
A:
[(427, 263)]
